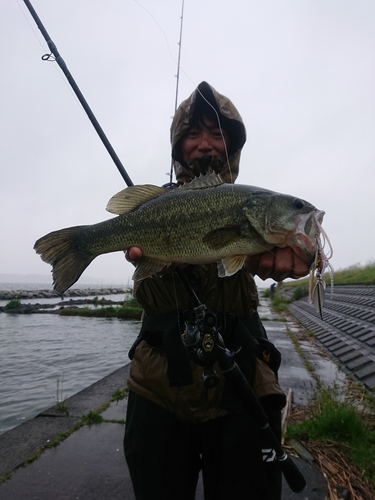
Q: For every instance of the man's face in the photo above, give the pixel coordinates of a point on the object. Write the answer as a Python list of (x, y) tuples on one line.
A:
[(204, 139)]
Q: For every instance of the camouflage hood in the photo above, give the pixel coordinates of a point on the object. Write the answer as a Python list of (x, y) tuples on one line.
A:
[(230, 119)]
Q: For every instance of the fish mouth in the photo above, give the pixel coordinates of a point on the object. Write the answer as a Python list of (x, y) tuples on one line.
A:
[(304, 240), (313, 222)]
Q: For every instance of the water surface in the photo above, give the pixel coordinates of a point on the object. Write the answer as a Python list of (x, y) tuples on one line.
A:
[(40, 353)]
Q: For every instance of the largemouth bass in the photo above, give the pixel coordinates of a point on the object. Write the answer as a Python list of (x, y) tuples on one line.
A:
[(203, 221)]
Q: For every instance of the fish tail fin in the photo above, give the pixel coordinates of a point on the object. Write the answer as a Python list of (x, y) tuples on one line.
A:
[(61, 249)]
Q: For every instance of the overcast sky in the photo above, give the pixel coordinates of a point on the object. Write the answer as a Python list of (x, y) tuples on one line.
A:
[(301, 73)]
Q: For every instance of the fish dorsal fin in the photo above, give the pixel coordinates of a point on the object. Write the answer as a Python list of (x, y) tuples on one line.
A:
[(230, 265), (204, 181), (132, 197)]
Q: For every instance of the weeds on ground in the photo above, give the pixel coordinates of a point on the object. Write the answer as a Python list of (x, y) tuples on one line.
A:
[(302, 353), (280, 303), (266, 293), (60, 398), (340, 421), (120, 394), (131, 309), (92, 417), (300, 292), (13, 303)]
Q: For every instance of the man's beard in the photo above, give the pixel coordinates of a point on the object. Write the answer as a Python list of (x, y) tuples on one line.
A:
[(206, 164)]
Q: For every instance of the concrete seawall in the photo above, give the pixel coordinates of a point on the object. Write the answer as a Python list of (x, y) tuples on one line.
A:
[(18, 444)]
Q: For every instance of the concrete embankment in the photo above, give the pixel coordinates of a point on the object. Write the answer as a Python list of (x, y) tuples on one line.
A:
[(346, 328), (25, 440)]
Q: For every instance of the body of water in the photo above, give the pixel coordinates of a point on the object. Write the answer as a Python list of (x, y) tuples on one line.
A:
[(43, 353)]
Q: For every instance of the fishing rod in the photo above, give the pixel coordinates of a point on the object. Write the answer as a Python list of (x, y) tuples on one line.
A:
[(177, 77), (205, 320), (60, 61)]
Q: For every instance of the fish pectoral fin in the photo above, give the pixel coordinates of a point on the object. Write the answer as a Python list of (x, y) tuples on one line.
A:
[(223, 236), (132, 197), (230, 265), (203, 181), (146, 267)]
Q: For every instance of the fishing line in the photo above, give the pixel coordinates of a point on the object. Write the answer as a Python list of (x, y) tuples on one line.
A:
[(46, 57), (188, 77), (222, 134), (160, 28), (31, 26)]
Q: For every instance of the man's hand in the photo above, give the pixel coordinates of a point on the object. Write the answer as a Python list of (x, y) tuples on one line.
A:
[(278, 264), (133, 254)]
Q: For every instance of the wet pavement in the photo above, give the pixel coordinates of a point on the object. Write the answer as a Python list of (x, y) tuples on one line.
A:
[(90, 465)]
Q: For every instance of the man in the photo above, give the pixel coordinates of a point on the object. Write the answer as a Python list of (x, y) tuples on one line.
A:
[(176, 426)]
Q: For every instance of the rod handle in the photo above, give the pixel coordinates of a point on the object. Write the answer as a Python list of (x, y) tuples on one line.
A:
[(292, 474)]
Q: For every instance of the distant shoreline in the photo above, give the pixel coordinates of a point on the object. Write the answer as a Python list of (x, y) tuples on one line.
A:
[(48, 293)]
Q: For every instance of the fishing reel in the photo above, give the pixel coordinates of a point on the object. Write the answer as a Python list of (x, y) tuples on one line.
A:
[(204, 343)]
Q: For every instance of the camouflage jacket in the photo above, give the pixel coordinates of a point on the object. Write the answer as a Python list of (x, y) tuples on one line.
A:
[(160, 369)]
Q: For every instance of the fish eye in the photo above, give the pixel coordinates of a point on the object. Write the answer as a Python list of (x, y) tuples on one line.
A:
[(298, 203)]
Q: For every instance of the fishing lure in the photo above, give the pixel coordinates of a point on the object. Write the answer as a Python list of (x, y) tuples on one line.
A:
[(317, 284)]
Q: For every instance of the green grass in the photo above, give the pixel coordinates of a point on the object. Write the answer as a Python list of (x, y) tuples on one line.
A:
[(131, 309), (92, 417), (357, 274), (300, 292), (280, 303), (341, 421), (267, 293), (363, 274), (302, 353), (60, 398), (13, 303), (354, 274), (120, 394)]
